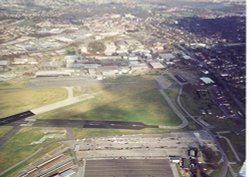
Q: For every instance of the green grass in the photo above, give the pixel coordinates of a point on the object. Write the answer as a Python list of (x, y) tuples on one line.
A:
[(194, 104), (217, 172), (14, 101), (19, 147), (239, 144), (236, 167), (70, 50), (229, 174), (38, 156), (172, 92), (96, 132), (4, 129), (91, 89), (227, 150), (148, 107), (13, 84), (96, 47), (179, 170), (222, 124), (26, 23)]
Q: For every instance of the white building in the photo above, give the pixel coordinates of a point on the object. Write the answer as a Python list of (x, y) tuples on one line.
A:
[(109, 70), (167, 56), (207, 80), (156, 65), (52, 73), (4, 63), (20, 61)]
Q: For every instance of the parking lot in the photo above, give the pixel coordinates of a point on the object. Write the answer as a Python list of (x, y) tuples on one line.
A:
[(128, 168), (139, 146)]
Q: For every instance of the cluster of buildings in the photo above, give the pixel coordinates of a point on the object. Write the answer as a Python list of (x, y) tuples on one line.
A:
[(127, 63), (227, 66), (189, 163), (58, 165), (228, 63), (219, 97)]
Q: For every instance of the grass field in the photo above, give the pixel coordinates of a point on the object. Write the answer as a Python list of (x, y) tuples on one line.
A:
[(19, 147), (236, 167), (80, 90), (148, 107), (227, 150), (217, 172), (194, 104), (172, 92), (229, 174), (14, 101), (13, 84), (15, 171), (223, 124), (123, 100), (239, 144), (4, 129)]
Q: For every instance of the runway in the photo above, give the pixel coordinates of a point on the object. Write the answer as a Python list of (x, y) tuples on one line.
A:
[(16, 117), (82, 124)]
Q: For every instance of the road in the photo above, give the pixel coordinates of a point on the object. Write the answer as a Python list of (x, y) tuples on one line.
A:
[(224, 171), (176, 110), (83, 124), (16, 117), (9, 134), (13, 119), (232, 95), (163, 84), (138, 146), (231, 147), (240, 105), (60, 104), (19, 163)]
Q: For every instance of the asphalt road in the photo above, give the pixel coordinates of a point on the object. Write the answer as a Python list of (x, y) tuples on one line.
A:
[(225, 163), (85, 124), (9, 134), (16, 117)]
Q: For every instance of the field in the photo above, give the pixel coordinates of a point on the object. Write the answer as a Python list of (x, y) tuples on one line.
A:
[(193, 103), (18, 100), (13, 84), (236, 167), (4, 130), (91, 89), (227, 150), (123, 100), (172, 92), (229, 174), (20, 147), (239, 143), (217, 172)]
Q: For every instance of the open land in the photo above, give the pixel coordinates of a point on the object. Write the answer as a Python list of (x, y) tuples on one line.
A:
[(121, 101), (26, 99)]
